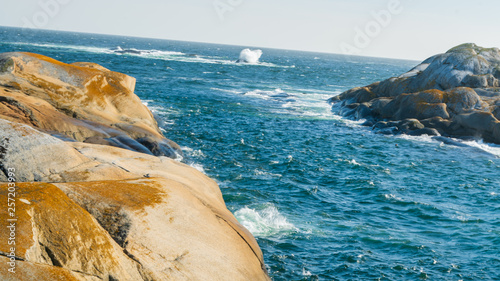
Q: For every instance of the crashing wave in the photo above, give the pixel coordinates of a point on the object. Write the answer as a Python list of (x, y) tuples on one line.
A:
[(250, 56), (264, 222)]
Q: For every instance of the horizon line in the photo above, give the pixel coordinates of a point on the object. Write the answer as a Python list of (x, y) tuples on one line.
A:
[(201, 42)]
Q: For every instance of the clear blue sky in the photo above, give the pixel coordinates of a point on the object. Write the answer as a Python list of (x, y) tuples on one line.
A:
[(409, 29)]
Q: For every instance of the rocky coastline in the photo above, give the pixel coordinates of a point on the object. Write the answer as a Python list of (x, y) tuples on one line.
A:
[(455, 94), (97, 194)]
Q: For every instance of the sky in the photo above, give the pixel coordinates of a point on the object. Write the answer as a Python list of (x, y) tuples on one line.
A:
[(405, 29)]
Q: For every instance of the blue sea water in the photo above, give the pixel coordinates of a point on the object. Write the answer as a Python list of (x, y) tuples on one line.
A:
[(326, 198)]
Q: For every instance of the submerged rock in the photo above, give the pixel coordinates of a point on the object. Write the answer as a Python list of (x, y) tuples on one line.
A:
[(93, 202), (459, 87)]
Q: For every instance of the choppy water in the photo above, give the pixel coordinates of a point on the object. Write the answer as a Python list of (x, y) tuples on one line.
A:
[(326, 198)]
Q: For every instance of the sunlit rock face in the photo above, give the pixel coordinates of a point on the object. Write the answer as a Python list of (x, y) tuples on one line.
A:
[(88, 208), (455, 94), (84, 102)]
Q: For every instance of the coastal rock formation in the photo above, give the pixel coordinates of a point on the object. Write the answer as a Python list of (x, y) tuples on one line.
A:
[(82, 102), (453, 94), (96, 211)]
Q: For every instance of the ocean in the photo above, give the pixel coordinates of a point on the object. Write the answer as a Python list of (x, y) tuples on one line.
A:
[(326, 198)]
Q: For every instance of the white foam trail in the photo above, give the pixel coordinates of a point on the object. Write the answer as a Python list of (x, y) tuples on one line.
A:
[(422, 138), (250, 56), (301, 103), (70, 47), (265, 222), (192, 58), (265, 94), (226, 91), (152, 54), (489, 148)]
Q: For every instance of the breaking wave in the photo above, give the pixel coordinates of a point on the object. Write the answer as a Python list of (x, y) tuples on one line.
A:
[(265, 222), (250, 56)]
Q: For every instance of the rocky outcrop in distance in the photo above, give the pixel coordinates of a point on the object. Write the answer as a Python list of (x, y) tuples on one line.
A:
[(455, 94), (97, 198)]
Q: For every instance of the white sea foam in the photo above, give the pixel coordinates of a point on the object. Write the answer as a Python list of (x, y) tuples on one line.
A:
[(193, 152), (157, 54), (190, 156), (479, 146), (266, 174), (393, 197), (151, 107), (58, 46), (250, 56), (353, 162), (190, 58), (178, 157), (160, 114), (263, 94), (198, 167), (265, 222), (422, 138), (301, 103), (306, 272), (487, 147)]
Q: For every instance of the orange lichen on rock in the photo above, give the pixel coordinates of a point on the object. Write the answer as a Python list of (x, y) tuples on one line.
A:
[(195, 234), (39, 272), (53, 230), (132, 194), (81, 101), (112, 210), (461, 86)]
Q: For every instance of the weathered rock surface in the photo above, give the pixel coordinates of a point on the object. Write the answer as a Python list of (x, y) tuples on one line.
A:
[(95, 211), (456, 94), (53, 230), (84, 102)]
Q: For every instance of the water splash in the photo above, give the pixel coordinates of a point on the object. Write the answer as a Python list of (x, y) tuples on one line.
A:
[(264, 222), (250, 56)]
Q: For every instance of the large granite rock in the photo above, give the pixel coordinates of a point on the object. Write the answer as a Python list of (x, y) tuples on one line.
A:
[(54, 231), (84, 102), (461, 87), (96, 211)]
